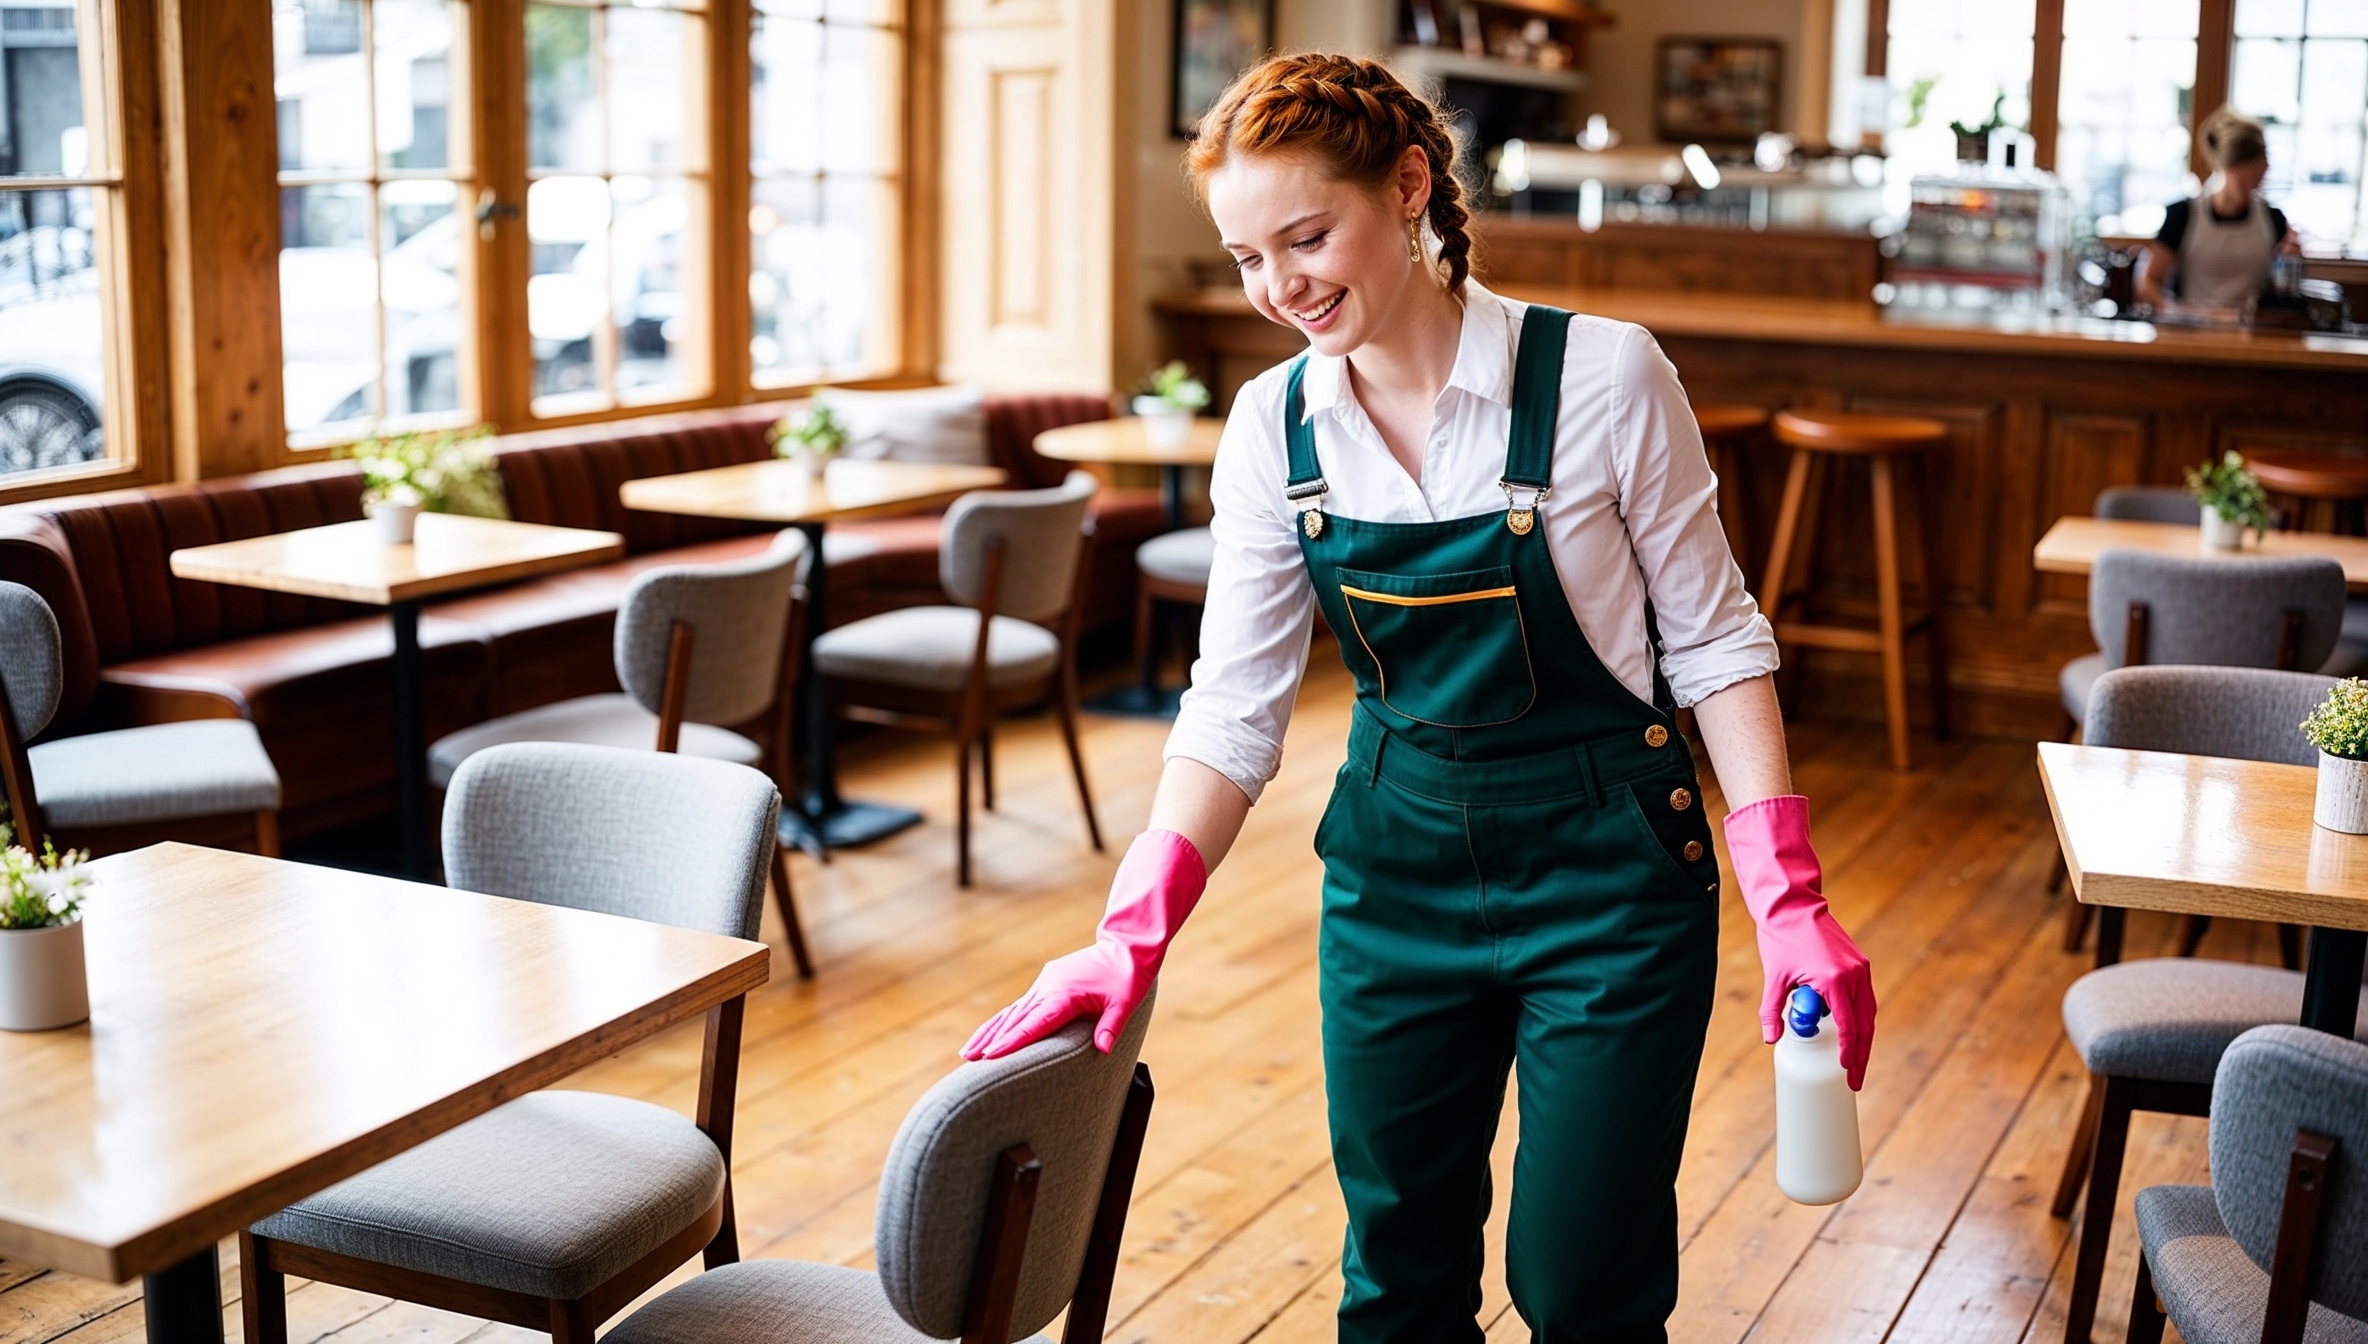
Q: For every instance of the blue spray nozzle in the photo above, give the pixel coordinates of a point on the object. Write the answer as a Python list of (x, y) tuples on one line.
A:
[(1802, 1009)]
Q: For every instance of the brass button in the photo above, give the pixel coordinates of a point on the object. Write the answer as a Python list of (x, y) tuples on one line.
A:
[(1680, 799), (1693, 851), (1656, 736)]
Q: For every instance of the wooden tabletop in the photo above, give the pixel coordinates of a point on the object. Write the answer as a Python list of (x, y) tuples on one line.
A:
[(2073, 544), (260, 1030), (347, 560), (1123, 442), (2202, 835), (780, 491)]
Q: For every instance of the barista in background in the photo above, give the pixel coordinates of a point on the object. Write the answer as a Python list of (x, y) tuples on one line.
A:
[(2217, 249)]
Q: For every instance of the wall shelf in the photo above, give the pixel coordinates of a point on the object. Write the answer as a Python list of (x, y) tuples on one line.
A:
[(1449, 63)]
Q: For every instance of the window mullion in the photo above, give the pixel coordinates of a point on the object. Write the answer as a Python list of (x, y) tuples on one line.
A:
[(2047, 77)]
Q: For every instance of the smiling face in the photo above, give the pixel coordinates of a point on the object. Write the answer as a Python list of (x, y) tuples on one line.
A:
[(1320, 253)]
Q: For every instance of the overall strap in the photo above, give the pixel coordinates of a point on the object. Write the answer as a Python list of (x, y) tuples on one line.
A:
[(1537, 398), (1307, 478)]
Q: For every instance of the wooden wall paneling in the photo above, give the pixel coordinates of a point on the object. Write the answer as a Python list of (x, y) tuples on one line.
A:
[(505, 353), (2215, 48), (2082, 454), (725, 295), (2020, 517), (1964, 477), (923, 226)]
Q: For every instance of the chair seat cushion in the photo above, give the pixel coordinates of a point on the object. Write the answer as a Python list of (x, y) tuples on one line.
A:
[(612, 720), (164, 772), (2209, 1288), (773, 1302), (930, 648), (2169, 1018), (1179, 557), (551, 1195), (2074, 681)]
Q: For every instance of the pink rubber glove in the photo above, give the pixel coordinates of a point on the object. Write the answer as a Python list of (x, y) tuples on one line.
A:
[(1800, 944), (1158, 883)]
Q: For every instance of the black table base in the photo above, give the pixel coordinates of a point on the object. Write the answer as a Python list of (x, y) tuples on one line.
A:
[(417, 849), (822, 821), (184, 1303), (2331, 984)]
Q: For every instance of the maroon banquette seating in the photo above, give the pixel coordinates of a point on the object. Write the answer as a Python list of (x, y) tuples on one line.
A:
[(145, 647)]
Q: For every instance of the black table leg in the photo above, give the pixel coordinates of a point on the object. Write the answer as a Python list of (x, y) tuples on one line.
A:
[(185, 1301), (2331, 983), (411, 746), (822, 820), (1171, 495), (1147, 699)]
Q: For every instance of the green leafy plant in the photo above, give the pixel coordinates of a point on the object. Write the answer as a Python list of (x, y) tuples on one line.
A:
[(43, 892), (2339, 726), (812, 432), (1174, 384), (1996, 121), (441, 470), (2228, 489)]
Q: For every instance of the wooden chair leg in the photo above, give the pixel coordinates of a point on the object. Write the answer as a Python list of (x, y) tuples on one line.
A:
[(787, 901), (267, 834), (2192, 929), (2096, 1217), (1066, 708), (571, 1323), (964, 744), (986, 764), (1936, 643), (2290, 946), (2076, 915), (1888, 615), (2146, 1320), (262, 1294), (2082, 1147)]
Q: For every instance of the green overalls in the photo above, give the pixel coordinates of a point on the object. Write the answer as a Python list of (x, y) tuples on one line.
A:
[(1516, 868)]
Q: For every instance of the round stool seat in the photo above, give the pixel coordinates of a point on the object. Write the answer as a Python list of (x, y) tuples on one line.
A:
[(2310, 475), (1181, 557), (1728, 420), (1853, 432)]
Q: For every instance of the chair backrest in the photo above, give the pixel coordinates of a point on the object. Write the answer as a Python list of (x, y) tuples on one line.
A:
[(738, 612), (1062, 1098), (2217, 611), (678, 840), (2273, 1081), (2249, 713), (2149, 504), (1041, 533), (32, 658)]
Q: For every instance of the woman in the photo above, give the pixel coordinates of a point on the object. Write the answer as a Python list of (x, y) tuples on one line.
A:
[(1505, 514), (2215, 251)]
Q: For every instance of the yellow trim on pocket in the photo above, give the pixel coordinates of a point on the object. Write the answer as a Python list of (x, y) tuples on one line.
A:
[(1396, 601)]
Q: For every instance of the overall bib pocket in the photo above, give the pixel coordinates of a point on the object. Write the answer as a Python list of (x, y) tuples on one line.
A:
[(1447, 649), (1680, 835)]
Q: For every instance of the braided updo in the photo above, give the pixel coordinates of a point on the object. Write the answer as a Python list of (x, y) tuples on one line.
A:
[(1354, 117)]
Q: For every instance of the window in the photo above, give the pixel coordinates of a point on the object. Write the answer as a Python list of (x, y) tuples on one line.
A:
[(616, 203), (1953, 61), (2122, 113), (374, 195), (2302, 67), (60, 227), (824, 127)]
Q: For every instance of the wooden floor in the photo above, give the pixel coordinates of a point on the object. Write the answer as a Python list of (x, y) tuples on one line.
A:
[(1235, 1233)]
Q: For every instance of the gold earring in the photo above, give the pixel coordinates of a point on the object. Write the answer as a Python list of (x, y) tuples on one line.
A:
[(1414, 240)]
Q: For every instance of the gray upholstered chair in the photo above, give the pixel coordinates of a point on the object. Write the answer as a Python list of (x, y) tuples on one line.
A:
[(202, 780), (555, 1211), (1172, 568), (696, 647), (1000, 1206), (1015, 562), (2275, 1249), (2149, 504)]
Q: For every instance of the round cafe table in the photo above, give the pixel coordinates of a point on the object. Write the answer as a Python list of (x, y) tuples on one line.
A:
[(1122, 442)]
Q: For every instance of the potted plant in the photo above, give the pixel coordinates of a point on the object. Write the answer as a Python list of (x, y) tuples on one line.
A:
[(812, 436), (1171, 396), (42, 981), (439, 470), (2339, 729), (2233, 500), (1973, 142)]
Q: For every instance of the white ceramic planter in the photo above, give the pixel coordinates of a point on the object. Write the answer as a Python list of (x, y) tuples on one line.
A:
[(1165, 424), (817, 465), (41, 978), (2220, 533), (2343, 795), (396, 522)]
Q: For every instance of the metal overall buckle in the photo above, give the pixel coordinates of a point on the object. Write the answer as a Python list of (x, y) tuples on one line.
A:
[(1522, 517), (1309, 496)]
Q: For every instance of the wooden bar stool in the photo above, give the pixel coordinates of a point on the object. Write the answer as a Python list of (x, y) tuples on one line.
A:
[(1727, 427), (2324, 483), (1817, 437)]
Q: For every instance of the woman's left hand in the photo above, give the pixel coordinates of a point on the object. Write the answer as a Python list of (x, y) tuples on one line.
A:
[(1800, 941)]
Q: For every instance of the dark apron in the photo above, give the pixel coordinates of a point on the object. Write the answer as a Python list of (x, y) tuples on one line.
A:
[(1516, 869)]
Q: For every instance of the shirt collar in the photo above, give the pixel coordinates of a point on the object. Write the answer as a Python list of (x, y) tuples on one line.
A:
[(1483, 357)]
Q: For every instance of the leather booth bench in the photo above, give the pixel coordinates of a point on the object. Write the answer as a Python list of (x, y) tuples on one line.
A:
[(145, 647)]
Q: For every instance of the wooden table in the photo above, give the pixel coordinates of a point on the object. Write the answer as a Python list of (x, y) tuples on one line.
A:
[(782, 492), (348, 562), (2204, 835), (2073, 544), (261, 1030), (1123, 442)]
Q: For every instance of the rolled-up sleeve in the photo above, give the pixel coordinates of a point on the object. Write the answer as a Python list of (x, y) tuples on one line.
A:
[(1712, 632), (1254, 631)]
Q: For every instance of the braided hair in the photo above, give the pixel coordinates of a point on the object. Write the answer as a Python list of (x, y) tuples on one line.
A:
[(1355, 118)]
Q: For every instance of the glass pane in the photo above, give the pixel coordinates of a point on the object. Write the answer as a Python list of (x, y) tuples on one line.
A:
[(321, 84), (328, 282), (793, 9), (859, 119), (53, 391), (2122, 109), (651, 82), (562, 104), (2267, 79), (785, 110), (43, 131), (818, 289), (414, 75), (567, 230), (1953, 61), (649, 299), (419, 236), (2269, 18), (2339, 18)]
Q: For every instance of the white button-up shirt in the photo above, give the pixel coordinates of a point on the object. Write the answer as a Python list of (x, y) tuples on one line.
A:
[(1632, 515)]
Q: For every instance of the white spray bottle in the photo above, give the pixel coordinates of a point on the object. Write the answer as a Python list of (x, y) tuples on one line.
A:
[(1817, 1157)]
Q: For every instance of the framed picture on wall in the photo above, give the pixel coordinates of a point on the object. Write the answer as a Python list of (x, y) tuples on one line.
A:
[(1717, 88), (1215, 41)]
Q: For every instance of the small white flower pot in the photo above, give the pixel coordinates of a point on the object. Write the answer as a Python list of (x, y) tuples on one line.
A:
[(817, 465), (42, 984), (2343, 795), (396, 521), (2222, 533), (1165, 424)]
